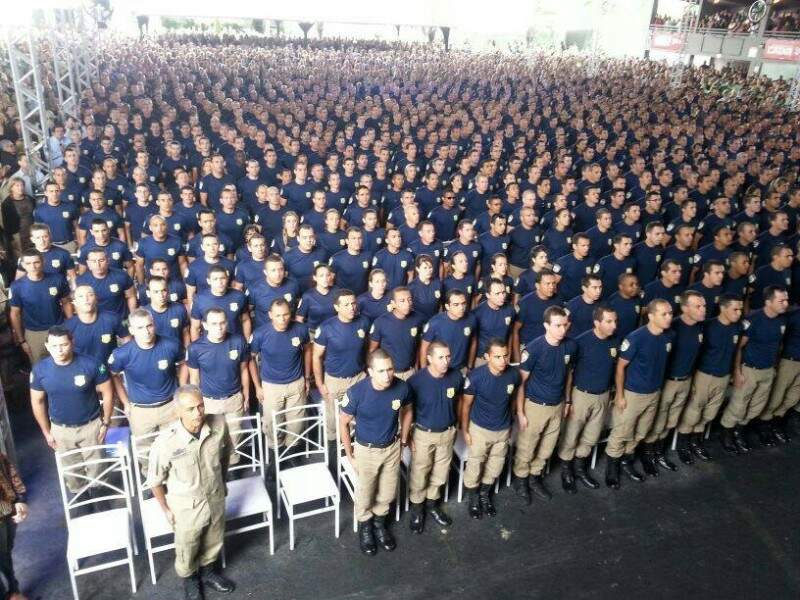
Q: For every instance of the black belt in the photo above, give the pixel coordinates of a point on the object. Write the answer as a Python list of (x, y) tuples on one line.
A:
[(154, 405), (74, 425), (429, 430), (221, 397), (679, 378), (756, 368), (540, 403), (592, 393), (792, 358), (377, 445)]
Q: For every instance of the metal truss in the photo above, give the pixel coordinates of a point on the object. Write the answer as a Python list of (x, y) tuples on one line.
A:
[(691, 13), (67, 94), (23, 59)]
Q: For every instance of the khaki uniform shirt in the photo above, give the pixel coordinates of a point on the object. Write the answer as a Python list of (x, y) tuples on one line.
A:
[(193, 469)]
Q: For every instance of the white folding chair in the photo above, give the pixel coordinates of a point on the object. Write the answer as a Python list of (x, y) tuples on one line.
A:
[(346, 472), (309, 483), (154, 523), (247, 497), (105, 531)]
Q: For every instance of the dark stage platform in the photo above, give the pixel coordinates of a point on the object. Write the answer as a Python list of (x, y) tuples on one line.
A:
[(726, 529)]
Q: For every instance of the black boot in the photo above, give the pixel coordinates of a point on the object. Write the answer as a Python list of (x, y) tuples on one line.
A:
[(474, 504), (728, 441), (485, 499), (792, 423), (697, 444), (661, 450), (582, 474), (215, 580), (648, 458), (436, 511), (684, 451), (417, 521), (191, 588), (778, 433), (522, 488), (742, 447), (568, 477), (383, 536), (366, 538), (764, 430), (629, 468), (539, 489), (612, 472)]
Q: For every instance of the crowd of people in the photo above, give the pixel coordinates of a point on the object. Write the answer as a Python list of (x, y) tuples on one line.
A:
[(785, 20), (435, 244)]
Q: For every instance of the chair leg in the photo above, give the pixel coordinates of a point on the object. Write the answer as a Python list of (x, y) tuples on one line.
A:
[(222, 555), (674, 439), (336, 520), (132, 572), (151, 560), (291, 532), (460, 480), (594, 456), (446, 489), (71, 568), (355, 523)]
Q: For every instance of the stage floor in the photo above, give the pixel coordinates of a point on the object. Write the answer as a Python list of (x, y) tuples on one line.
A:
[(725, 529)]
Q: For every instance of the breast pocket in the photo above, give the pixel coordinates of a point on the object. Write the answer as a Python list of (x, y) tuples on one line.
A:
[(185, 469)]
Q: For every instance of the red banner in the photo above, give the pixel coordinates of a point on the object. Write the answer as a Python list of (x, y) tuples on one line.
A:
[(668, 41), (776, 49)]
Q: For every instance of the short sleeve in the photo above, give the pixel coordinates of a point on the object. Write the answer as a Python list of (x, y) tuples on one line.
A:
[(13, 296), (191, 357), (63, 288), (101, 373), (321, 336), (36, 379), (627, 349), (116, 361), (349, 403)]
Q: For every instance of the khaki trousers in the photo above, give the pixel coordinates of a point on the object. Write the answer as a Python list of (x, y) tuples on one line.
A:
[(337, 386), (36, 341), (708, 392), (748, 401), (670, 406), (232, 406), (486, 457), (378, 471), (72, 438), (514, 272), (535, 443), (199, 531), (144, 420), (430, 463), (283, 396), (785, 391), (632, 424), (583, 425), (71, 247)]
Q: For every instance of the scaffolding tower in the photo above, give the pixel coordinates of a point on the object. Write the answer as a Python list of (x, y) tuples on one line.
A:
[(688, 24)]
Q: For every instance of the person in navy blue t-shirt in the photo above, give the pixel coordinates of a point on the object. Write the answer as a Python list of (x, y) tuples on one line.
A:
[(114, 288), (170, 318), (494, 318), (639, 377), (154, 368), (398, 332), (64, 396), (352, 264), (489, 392), (94, 332), (754, 368), (456, 327), (542, 400), (593, 372), (381, 407), (338, 355), (437, 389), (581, 308), (283, 380)]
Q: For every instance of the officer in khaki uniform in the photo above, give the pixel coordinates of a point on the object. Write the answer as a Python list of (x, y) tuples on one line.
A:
[(688, 337), (380, 405), (64, 390), (542, 401), (187, 468), (595, 360), (786, 388), (486, 425), (639, 377), (437, 389), (720, 341), (754, 369)]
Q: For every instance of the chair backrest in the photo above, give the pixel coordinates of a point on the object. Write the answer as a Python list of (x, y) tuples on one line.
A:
[(340, 452), (114, 464), (248, 443), (303, 435), (140, 445)]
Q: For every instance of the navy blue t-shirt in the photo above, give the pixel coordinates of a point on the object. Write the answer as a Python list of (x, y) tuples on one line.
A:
[(40, 301), (399, 337), (281, 352), (150, 374), (580, 315), (456, 334), (344, 345), (435, 398), (594, 362), (531, 315), (376, 412), (351, 270), (427, 297), (791, 338), (647, 355), (764, 337), (71, 395), (97, 339), (493, 323), (493, 394), (548, 366), (685, 348), (171, 322), (219, 364), (110, 290), (572, 271), (719, 347), (315, 307)]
